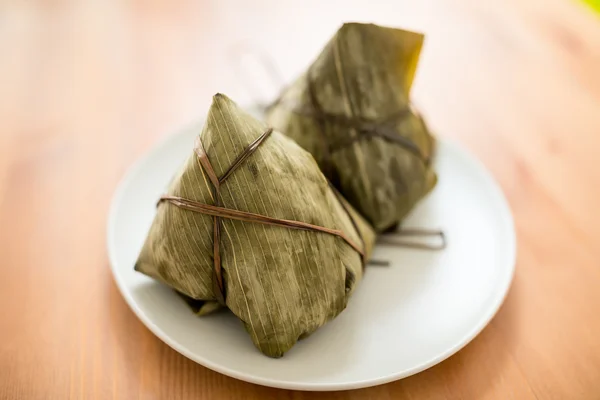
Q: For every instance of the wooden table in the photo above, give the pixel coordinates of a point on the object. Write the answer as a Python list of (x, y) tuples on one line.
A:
[(88, 87)]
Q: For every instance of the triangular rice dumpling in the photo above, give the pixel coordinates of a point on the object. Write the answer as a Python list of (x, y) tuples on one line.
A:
[(351, 111), (283, 280)]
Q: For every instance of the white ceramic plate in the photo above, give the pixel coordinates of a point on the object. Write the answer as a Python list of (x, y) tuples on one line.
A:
[(401, 320)]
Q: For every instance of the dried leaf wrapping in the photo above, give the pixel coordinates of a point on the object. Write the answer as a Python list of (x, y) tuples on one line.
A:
[(281, 283), (351, 110)]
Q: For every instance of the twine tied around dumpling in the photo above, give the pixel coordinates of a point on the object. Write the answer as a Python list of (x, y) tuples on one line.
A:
[(217, 211)]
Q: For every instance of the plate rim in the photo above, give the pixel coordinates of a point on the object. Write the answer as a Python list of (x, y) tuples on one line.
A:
[(511, 243)]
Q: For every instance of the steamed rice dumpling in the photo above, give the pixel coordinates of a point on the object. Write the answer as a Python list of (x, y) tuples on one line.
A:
[(351, 110), (250, 223)]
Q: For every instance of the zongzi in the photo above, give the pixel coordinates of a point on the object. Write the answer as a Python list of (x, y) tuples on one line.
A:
[(250, 223), (351, 111)]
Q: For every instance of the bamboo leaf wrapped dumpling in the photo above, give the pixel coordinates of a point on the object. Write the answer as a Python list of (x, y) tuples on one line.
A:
[(251, 223), (351, 110)]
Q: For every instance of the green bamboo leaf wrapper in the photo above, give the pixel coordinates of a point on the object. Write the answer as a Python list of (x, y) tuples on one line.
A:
[(364, 72), (281, 283)]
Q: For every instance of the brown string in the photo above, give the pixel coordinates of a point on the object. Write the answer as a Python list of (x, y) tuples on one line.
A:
[(392, 238), (218, 212), (385, 129)]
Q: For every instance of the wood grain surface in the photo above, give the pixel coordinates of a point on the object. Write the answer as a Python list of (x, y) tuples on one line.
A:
[(86, 87)]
